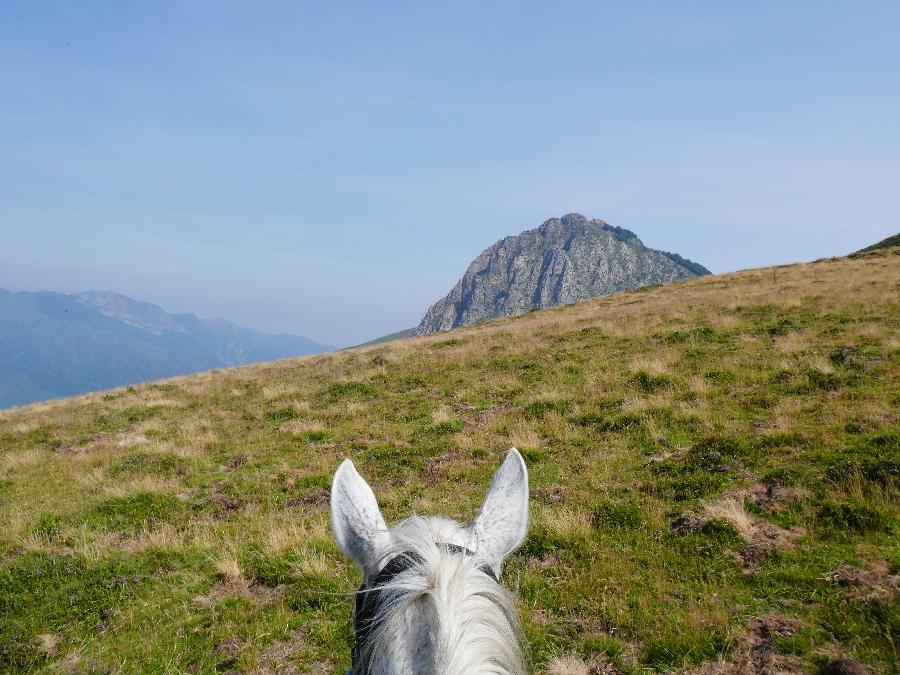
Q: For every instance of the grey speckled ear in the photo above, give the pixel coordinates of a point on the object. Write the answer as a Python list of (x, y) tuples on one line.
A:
[(501, 525), (356, 520)]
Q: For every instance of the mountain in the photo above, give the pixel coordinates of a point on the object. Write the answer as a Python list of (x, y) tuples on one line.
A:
[(55, 345), (564, 260), (714, 468), (131, 312)]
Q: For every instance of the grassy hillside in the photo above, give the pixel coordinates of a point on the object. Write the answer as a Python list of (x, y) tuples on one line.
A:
[(884, 243), (714, 469), (390, 337)]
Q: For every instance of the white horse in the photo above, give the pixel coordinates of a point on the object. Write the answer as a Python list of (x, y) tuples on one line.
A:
[(431, 601)]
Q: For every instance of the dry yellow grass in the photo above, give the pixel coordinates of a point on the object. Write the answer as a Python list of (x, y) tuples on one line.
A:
[(732, 510), (229, 569)]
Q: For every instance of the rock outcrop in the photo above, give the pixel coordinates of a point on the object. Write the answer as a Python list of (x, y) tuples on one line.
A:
[(564, 260)]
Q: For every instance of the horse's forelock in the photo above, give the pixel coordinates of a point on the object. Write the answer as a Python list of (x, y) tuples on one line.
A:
[(442, 614)]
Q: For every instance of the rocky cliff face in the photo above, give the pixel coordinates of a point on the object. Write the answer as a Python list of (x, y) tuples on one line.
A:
[(564, 260)]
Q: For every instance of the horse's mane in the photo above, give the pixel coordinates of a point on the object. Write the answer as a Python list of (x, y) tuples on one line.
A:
[(470, 620)]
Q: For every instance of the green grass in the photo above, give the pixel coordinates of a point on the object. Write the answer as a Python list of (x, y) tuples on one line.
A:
[(183, 525)]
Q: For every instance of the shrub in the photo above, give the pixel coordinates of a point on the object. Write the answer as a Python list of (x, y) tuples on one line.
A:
[(600, 422), (453, 342), (48, 525), (822, 380), (135, 512), (617, 514), (135, 413), (650, 383), (780, 327), (854, 516), (538, 409), (714, 453), (283, 414), (351, 388)]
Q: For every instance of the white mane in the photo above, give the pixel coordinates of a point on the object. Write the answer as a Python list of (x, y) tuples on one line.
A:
[(443, 614), (441, 609)]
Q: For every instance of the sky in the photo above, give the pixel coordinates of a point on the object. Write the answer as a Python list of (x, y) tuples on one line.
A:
[(330, 169)]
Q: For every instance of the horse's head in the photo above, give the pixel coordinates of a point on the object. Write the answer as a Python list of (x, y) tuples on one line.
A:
[(431, 601)]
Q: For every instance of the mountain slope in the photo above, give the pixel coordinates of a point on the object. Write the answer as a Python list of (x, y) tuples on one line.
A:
[(713, 467), (132, 312), (390, 337), (889, 242), (59, 345), (564, 260)]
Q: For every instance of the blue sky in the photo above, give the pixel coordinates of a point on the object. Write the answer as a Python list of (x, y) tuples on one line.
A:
[(330, 169)]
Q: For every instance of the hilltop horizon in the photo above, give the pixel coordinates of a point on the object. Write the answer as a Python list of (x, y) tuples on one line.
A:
[(278, 328)]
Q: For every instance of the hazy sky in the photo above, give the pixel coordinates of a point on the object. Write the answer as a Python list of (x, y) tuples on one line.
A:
[(330, 168)]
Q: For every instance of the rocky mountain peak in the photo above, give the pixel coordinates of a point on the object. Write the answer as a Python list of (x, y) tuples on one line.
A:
[(563, 260)]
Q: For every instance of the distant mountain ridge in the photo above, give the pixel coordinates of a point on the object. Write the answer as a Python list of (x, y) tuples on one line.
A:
[(129, 311), (53, 345), (564, 260)]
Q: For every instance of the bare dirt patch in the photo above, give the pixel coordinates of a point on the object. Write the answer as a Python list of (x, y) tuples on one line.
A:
[(775, 498), (48, 643), (874, 585), (129, 437), (95, 441), (755, 653), (548, 562), (555, 494), (276, 658), (222, 503), (761, 536), (478, 418), (315, 499), (687, 523), (848, 667), (258, 593), (237, 460), (229, 651), (435, 466), (597, 664), (765, 539), (665, 456)]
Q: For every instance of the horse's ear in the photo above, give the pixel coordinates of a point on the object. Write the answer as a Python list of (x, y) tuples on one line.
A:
[(502, 523), (356, 520)]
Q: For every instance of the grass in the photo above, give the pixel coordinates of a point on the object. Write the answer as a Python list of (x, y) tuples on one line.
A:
[(183, 525)]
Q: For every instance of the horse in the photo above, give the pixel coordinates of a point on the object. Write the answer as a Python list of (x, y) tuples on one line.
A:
[(431, 600)]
